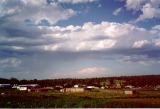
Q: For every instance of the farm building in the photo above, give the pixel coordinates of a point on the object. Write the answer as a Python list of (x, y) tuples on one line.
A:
[(58, 87), (129, 87), (129, 92), (26, 87), (5, 86), (157, 87), (91, 87), (22, 88), (79, 85), (102, 87), (40, 89), (76, 86), (72, 90)]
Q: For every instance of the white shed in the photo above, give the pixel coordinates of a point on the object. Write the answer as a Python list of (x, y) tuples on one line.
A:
[(129, 86), (76, 86), (22, 88), (129, 92)]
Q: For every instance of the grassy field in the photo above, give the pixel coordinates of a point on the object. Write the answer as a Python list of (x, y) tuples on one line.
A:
[(97, 99)]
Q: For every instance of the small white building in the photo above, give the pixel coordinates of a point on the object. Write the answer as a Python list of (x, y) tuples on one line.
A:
[(72, 90), (102, 87), (15, 86), (129, 87), (22, 88), (5, 85), (76, 86), (26, 87), (129, 92), (157, 87), (90, 87)]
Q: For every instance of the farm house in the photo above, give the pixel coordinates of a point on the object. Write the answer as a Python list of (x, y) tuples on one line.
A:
[(26, 87)]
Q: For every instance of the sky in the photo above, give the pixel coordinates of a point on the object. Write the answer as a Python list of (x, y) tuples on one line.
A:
[(49, 39)]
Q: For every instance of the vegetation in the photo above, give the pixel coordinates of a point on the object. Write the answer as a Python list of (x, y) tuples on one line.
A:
[(100, 99), (105, 83)]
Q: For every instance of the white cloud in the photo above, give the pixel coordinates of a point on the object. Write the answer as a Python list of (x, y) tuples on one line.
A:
[(34, 10), (149, 12), (85, 72), (103, 36), (92, 72), (88, 37), (96, 45), (99, 6), (117, 11), (9, 62), (141, 43), (156, 27), (77, 46), (84, 37), (134, 4), (149, 8), (17, 47), (157, 42), (76, 1), (141, 59)]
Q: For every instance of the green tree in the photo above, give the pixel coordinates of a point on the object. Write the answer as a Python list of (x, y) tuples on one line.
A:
[(105, 83), (119, 83)]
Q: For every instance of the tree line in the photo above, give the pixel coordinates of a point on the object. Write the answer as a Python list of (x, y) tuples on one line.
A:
[(137, 81)]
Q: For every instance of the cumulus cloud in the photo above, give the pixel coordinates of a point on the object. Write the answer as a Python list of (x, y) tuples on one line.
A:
[(28, 34), (140, 44), (149, 8), (157, 42), (19, 35), (134, 5), (34, 11), (109, 38), (88, 37), (103, 36), (149, 12)]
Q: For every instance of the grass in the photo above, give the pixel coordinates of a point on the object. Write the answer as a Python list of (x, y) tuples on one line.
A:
[(101, 99)]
